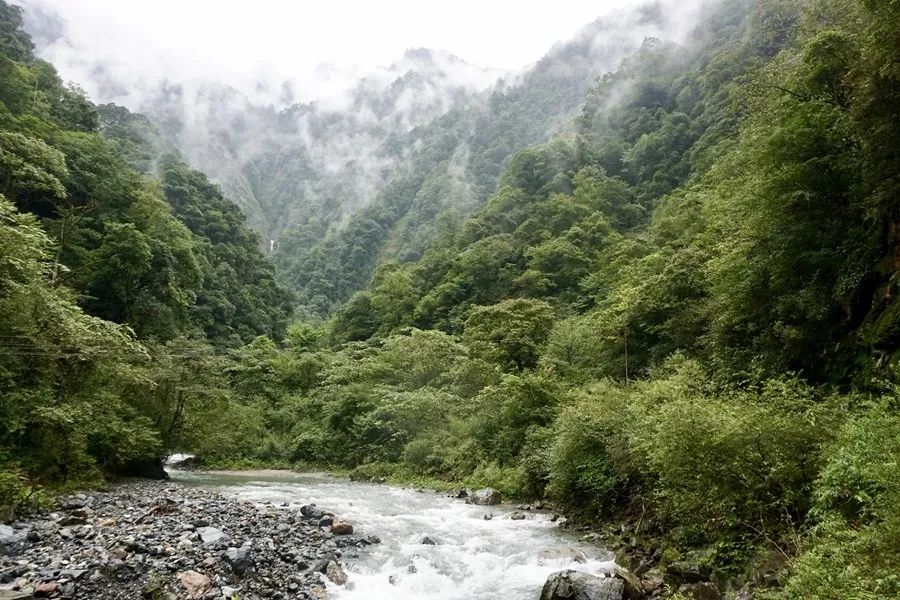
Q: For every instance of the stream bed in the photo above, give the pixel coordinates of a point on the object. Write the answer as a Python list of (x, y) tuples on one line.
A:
[(473, 558)]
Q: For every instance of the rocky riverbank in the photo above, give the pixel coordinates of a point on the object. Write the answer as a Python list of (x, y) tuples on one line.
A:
[(161, 541)]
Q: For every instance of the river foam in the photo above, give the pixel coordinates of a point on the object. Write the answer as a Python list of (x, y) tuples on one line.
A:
[(473, 559)]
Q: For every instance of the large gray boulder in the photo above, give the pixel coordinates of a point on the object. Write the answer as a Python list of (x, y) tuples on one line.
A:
[(240, 559), (11, 543), (484, 497), (575, 585), (211, 535)]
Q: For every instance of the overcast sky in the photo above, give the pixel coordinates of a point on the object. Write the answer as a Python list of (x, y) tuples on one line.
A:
[(243, 42)]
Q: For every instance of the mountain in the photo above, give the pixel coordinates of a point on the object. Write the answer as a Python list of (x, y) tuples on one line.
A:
[(337, 187)]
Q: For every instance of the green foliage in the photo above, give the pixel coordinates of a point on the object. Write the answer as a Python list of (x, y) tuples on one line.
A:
[(683, 306), (738, 462), (64, 374), (852, 551), (107, 280), (509, 333)]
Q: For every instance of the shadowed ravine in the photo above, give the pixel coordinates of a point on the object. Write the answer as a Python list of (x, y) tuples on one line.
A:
[(474, 558)]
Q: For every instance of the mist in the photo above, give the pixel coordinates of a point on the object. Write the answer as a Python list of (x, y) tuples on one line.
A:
[(334, 94)]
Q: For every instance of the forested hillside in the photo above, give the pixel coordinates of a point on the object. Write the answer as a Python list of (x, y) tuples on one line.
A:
[(677, 316), (108, 277), (340, 184)]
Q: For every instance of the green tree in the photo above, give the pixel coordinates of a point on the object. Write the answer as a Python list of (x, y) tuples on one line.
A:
[(511, 332)]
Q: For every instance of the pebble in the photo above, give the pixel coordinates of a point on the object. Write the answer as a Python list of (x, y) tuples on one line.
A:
[(146, 539)]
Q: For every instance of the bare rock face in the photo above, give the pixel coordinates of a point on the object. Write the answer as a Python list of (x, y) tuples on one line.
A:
[(575, 585), (484, 497), (195, 584)]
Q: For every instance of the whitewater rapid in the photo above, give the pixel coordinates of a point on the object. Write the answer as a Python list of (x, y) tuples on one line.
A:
[(473, 559)]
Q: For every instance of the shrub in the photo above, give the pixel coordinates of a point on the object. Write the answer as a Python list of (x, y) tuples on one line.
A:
[(738, 461), (591, 460), (852, 552)]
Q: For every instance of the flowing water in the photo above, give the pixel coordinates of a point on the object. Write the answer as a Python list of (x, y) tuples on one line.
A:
[(474, 558)]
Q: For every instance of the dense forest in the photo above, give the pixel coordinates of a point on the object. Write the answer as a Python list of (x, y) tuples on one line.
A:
[(680, 312)]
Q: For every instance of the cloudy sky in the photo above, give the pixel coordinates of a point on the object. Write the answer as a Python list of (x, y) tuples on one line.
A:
[(246, 43)]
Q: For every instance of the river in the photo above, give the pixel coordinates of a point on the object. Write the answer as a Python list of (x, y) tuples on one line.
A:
[(474, 558)]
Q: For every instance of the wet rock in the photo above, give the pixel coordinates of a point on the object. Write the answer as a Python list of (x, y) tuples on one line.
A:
[(335, 573), (196, 584), (11, 573), (240, 559), (704, 590), (575, 585), (428, 541), (12, 543), (680, 572), (373, 539), (15, 595), (311, 512), (484, 497), (47, 589), (487, 516), (342, 528), (326, 521), (517, 516), (632, 587), (68, 520), (561, 554)]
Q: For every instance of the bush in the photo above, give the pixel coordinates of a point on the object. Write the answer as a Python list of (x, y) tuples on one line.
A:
[(852, 551), (510, 481), (15, 492), (591, 460), (738, 462)]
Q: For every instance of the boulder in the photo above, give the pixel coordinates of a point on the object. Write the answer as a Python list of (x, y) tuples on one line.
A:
[(240, 559), (559, 554), (196, 584), (15, 595), (632, 588), (575, 585), (704, 590), (517, 516), (684, 572), (47, 588), (210, 535), (341, 527), (484, 497), (428, 541), (11, 543), (311, 512), (335, 573)]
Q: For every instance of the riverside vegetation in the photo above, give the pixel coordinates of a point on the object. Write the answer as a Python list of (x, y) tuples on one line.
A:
[(682, 314)]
